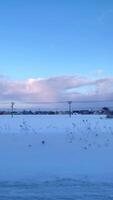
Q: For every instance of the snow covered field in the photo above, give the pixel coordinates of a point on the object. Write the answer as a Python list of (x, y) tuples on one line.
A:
[(50, 152)]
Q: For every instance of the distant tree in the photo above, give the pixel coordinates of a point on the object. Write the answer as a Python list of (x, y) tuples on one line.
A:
[(108, 112), (106, 109)]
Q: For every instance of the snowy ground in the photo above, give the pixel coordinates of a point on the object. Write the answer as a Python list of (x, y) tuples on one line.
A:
[(59, 189), (46, 149), (32, 146)]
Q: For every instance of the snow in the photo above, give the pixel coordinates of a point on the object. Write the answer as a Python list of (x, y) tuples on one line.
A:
[(40, 147)]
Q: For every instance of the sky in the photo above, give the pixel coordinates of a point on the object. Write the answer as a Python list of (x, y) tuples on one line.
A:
[(53, 50)]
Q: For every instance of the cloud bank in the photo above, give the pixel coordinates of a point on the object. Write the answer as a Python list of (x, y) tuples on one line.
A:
[(61, 88)]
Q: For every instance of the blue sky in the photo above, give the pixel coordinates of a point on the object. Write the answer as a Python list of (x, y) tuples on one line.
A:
[(56, 49), (44, 38)]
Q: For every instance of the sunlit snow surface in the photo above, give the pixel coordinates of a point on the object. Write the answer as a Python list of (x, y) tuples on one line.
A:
[(56, 157)]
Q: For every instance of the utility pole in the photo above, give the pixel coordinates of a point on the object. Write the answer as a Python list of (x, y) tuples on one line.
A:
[(12, 108), (70, 108)]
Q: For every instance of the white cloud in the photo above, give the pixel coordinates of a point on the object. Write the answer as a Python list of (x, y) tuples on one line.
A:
[(55, 89), (99, 72)]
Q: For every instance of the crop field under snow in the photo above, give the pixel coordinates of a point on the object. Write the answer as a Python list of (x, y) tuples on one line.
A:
[(42, 148)]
